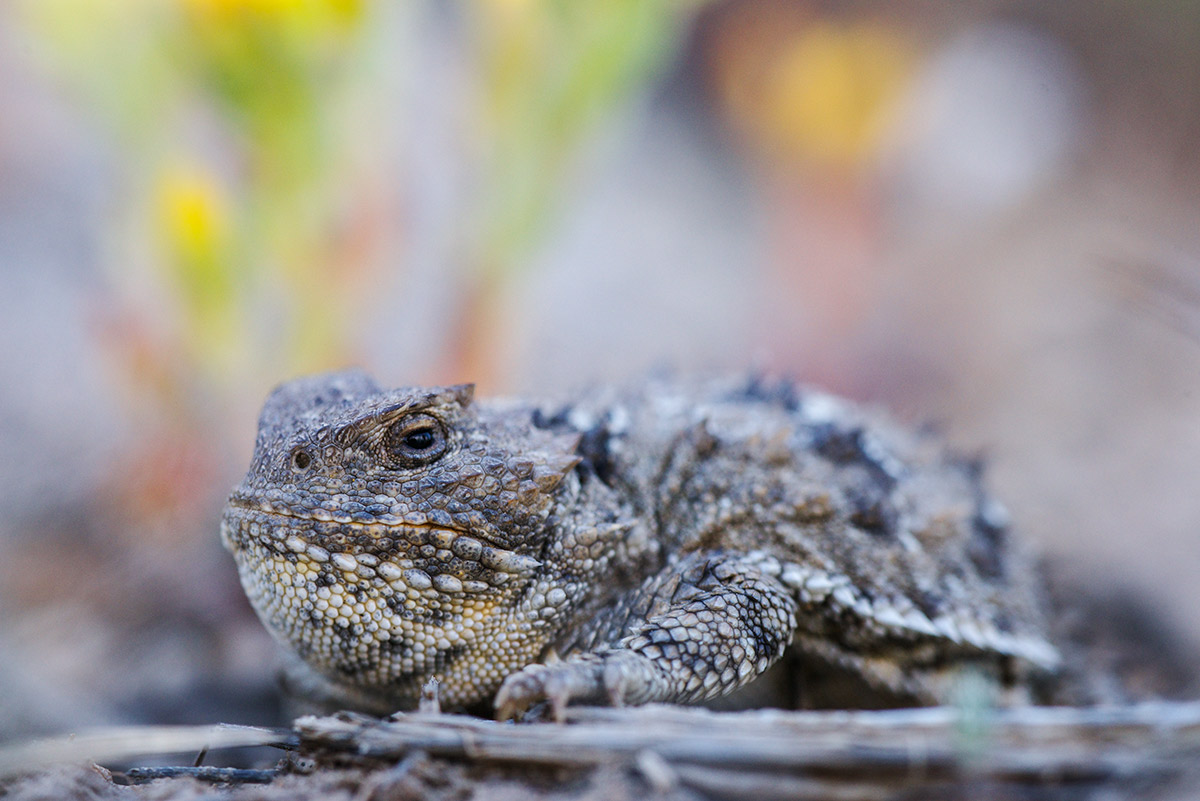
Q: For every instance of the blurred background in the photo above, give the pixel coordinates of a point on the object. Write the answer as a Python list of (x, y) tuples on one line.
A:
[(984, 215)]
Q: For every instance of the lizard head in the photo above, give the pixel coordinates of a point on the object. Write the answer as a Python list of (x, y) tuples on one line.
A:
[(380, 534)]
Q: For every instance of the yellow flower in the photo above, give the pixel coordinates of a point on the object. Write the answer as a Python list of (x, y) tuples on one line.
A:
[(834, 90), (194, 212), (308, 12), (822, 91)]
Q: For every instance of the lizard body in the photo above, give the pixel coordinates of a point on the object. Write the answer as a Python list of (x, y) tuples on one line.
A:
[(663, 543)]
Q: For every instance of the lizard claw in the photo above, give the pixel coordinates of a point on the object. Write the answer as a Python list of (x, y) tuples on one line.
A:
[(557, 684), (521, 691)]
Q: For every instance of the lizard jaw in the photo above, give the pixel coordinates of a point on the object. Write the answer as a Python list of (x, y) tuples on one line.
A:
[(378, 606)]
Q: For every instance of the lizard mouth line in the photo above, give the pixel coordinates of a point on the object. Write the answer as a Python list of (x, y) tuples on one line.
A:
[(469, 546), (341, 520)]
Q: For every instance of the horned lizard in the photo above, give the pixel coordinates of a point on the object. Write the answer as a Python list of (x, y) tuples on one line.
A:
[(667, 542)]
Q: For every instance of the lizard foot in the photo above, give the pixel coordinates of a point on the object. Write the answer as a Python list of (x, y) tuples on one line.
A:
[(614, 678)]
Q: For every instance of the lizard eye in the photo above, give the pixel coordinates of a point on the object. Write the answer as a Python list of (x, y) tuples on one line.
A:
[(415, 440), (301, 459)]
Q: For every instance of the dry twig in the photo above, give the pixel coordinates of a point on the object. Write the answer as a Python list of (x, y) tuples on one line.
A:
[(771, 753)]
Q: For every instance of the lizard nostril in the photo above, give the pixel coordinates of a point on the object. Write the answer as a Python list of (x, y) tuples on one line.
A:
[(301, 459)]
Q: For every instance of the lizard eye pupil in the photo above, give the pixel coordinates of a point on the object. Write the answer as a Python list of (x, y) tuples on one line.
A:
[(415, 440), (420, 440), (301, 459)]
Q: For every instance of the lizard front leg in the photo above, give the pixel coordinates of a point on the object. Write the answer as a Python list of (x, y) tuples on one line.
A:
[(702, 627)]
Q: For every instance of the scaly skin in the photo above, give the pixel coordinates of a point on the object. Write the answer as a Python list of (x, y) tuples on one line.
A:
[(663, 544)]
